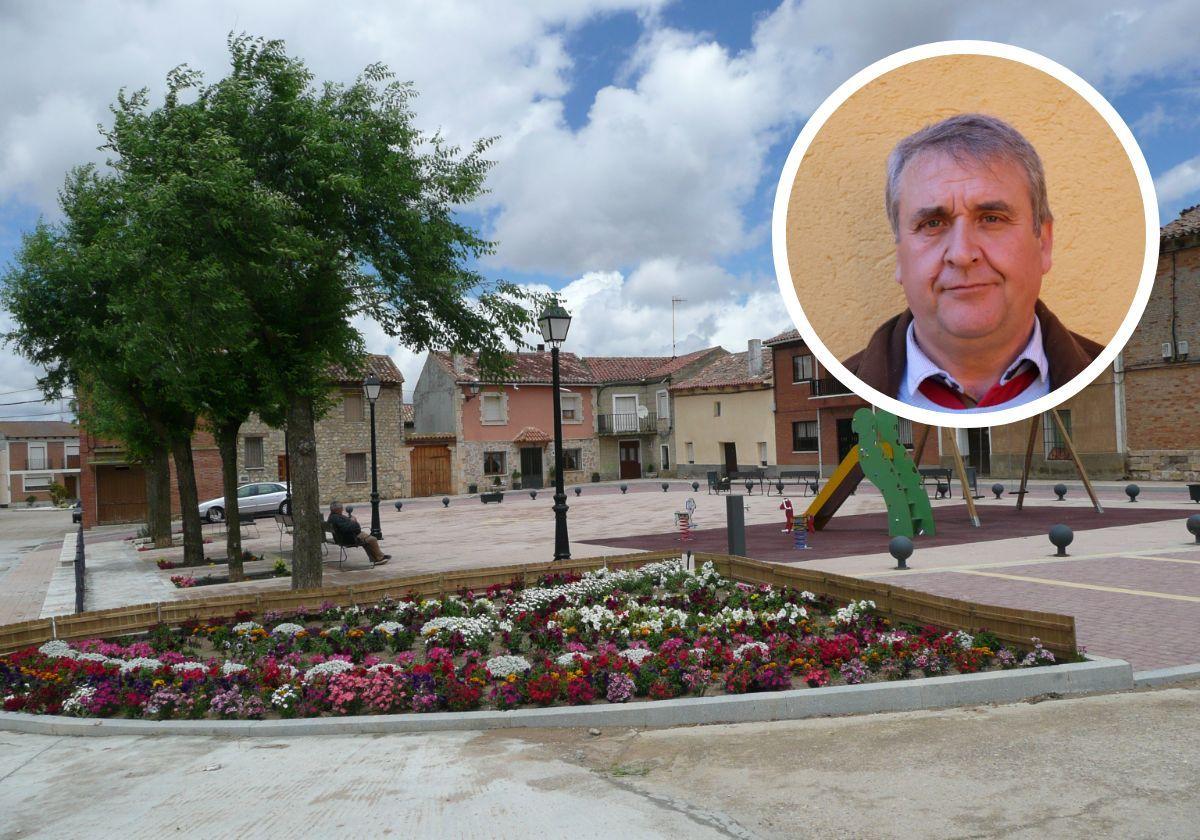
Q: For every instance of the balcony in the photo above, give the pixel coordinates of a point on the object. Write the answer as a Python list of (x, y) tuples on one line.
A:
[(828, 387), (627, 424)]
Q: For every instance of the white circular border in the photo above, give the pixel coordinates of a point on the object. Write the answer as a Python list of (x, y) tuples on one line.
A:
[(783, 274)]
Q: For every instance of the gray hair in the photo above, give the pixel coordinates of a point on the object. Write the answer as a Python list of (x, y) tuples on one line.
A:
[(973, 136), (335, 507)]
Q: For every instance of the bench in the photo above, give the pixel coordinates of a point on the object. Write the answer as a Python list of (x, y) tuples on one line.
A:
[(941, 477), (331, 540), (742, 476), (717, 483), (285, 524), (808, 479)]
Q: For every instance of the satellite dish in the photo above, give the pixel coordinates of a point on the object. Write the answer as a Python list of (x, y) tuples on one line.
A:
[(643, 412)]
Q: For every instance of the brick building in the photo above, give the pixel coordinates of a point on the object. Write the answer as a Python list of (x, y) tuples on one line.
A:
[(1162, 363), (813, 410), (35, 454)]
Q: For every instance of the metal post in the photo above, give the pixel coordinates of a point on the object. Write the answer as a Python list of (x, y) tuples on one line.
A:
[(562, 549), (287, 470), (375, 531), (735, 520)]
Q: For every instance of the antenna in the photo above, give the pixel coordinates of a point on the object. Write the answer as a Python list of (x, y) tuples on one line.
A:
[(674, 300)]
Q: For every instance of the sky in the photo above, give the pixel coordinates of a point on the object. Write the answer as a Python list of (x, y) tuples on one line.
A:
[(638, 142)]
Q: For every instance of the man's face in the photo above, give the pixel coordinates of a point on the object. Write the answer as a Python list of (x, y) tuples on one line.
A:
[(967, 257)]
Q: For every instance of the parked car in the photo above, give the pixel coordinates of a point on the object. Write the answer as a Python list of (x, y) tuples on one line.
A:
[(77, 512), (253, 500)]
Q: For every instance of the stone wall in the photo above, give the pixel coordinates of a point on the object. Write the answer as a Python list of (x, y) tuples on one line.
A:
[(470, 462), (338, 437)]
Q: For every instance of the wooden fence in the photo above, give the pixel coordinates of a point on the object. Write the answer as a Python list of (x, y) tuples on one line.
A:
[(1057, 632)]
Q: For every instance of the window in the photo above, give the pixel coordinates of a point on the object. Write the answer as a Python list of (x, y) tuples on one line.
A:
[(802, 368), (496, 463), (572, 459), (36, 457), (717, 408), (666, 457), (353, 404), (356, 468), (572, 408), (804, 436), (37, 482), (72, 453), (492, 408), (691, 452), (762, 453), (1055, 443), (254, 453), (663, 401), (904, 431)]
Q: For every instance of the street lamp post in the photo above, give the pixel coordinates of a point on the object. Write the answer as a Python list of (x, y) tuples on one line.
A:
[(554, 323), (371, 387)]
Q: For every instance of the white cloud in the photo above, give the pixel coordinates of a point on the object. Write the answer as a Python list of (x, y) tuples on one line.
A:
[(1178, 182)]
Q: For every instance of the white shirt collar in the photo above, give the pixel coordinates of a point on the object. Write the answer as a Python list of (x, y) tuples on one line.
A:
[(919, 367)]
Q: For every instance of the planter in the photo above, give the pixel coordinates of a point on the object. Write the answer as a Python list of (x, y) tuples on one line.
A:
[(472, 489), (1194, 492), (497, 496)]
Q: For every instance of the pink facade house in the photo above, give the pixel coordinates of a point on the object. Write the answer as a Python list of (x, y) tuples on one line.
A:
[(492, 430)]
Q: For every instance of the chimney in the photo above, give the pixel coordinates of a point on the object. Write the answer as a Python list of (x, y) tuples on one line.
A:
[(754, 365), (541, 348), (459, 363)]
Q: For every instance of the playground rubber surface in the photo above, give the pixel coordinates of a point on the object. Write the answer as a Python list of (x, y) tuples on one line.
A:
[(866, 533)]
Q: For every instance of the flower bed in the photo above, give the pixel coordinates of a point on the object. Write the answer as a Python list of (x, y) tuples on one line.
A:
[(656, 633)]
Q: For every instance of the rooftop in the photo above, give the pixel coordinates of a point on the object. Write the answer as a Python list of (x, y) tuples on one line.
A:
[(1187, 224), (731, 371), (38, 429), (636, 368), (526, 368), (376, 363)]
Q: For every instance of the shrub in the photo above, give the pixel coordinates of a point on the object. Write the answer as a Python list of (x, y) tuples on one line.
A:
[(30, 500), (58, 494)]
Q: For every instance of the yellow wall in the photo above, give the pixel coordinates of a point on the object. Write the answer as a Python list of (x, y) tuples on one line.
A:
[(838, 236), (746, 419)]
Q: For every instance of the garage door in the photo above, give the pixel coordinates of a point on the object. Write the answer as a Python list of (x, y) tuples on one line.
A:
[(120, 494), (430, 470)]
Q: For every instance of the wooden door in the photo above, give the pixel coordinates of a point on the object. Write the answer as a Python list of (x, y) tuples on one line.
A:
[(283, 465), (430, 468), (71, 482), (531, 467), (631, 458), (120, 494), (730, 457)]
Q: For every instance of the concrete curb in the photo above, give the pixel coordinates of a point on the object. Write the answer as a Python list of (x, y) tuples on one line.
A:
[(1166, 676), (1095, 675)]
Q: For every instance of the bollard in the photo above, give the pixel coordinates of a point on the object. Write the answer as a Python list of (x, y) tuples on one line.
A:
[(1060, 490), (445, 501), (665, 485), (998, 489), (695, 486), (533, 494), (901, 547), (1061, 536), (1132, 490), (399, 505), (1193, 525), (735, 519), (624, 487), (578, 491)]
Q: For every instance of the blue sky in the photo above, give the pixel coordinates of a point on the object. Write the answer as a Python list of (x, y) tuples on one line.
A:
[(639, 140)]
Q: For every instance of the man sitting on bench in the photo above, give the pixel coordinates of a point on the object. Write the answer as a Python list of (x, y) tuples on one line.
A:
[(347, 531)]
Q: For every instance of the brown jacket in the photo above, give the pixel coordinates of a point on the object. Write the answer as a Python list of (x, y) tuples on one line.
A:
[(881, 363)]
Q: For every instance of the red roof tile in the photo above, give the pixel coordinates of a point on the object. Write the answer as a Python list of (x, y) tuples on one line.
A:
[(380, 365), (532, 434), (526, 368), (635, 368), (38, 429), (1187, 224), (407, 414), (731, 371), (785, 337)]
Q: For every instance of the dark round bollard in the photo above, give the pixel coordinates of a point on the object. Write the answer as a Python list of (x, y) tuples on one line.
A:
[(998, 489), (749, 486), (901, 548), (665, 486), (1061, 536), (1193, 525), (695, 486), (533, 494), (624, 487), (779, 487), (445, 501), (1060, 490), (399, 505), (1132, 490), (350, 510), (578, 490)]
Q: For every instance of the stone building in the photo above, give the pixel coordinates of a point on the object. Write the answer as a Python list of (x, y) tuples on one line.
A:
[(635, 410), (468, 432), (343, 440), (724, 415)]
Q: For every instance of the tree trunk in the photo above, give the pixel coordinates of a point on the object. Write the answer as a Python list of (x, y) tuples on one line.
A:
[(307, 533), (158, 496), (226, 436), (189, 501)]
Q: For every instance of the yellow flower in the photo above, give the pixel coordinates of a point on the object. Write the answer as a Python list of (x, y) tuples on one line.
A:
[(157, 683), (512, 678)]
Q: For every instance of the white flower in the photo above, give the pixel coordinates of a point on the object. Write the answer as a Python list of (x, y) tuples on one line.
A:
[(231, 668), (788, 614), (852, 612), (180, 667), (569, 658), (139, 663), (287, 629), (74, 703), (389, 628), (476, 631), (741, 651), (58, 649), (502, 666), (637, 655), (246, 627), (92, 657), (284, 696), (328, 668), (964, 639)]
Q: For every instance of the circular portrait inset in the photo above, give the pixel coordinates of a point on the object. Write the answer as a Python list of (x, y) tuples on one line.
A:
[(965, 234)]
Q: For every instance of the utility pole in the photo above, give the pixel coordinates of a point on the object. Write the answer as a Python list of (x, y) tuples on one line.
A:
[(674, 300)]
